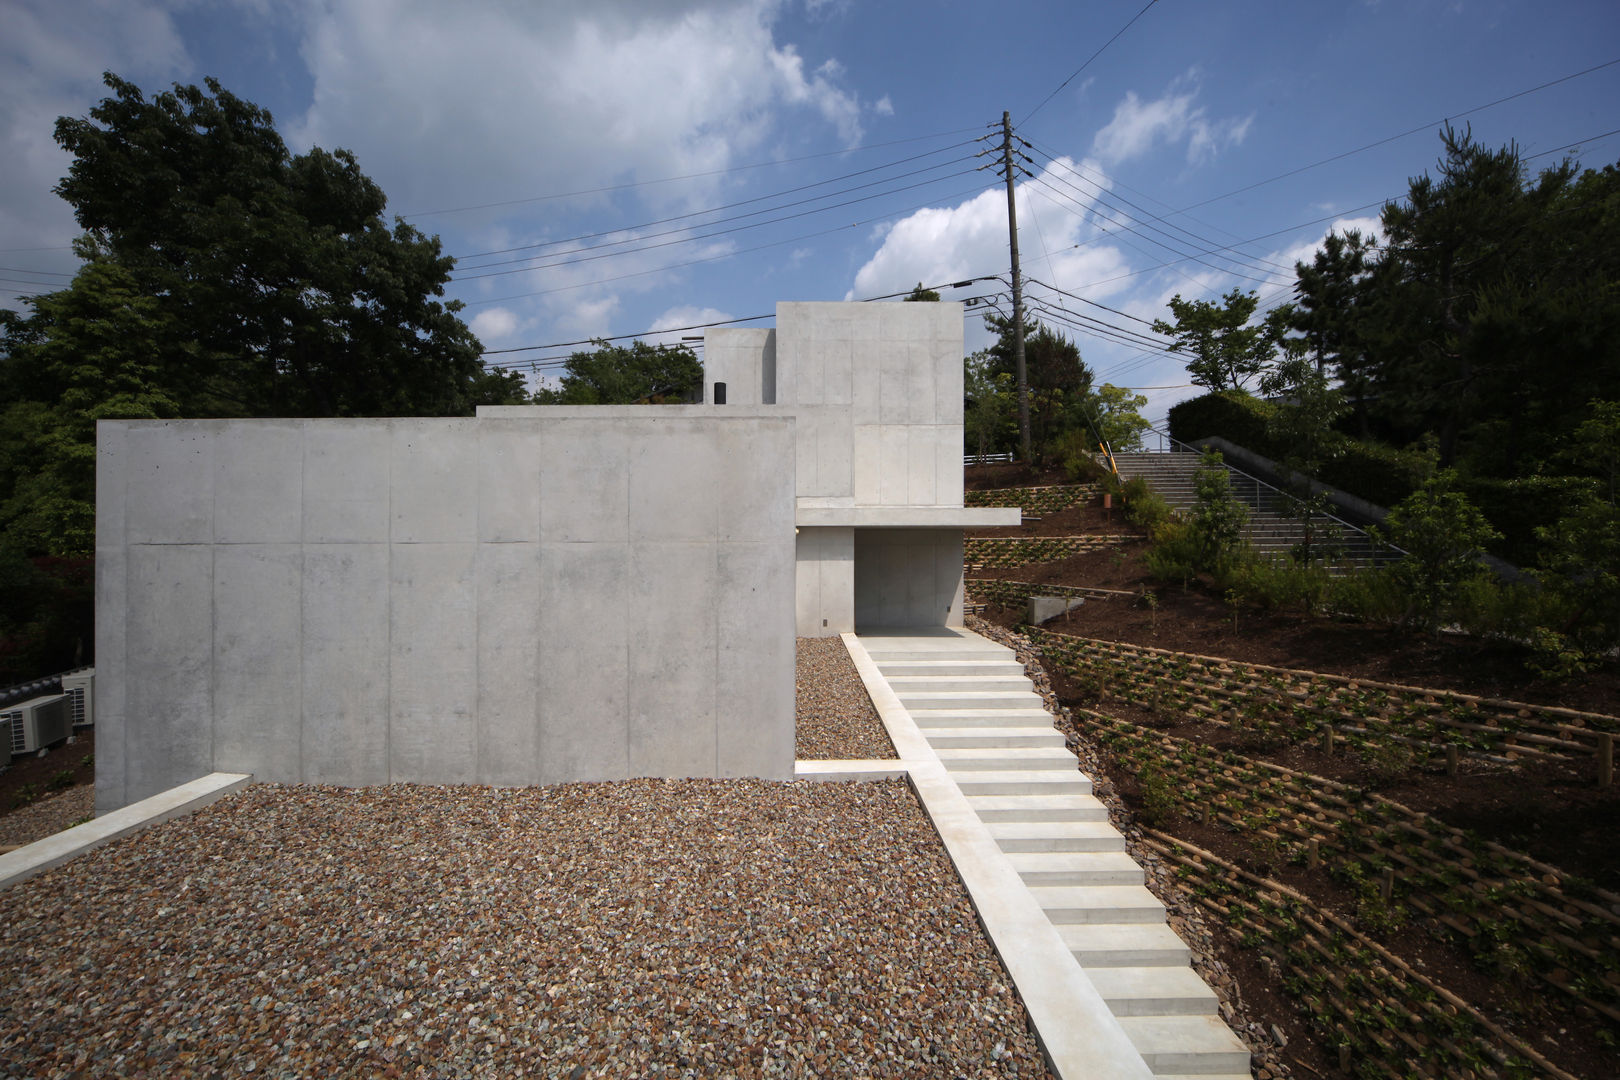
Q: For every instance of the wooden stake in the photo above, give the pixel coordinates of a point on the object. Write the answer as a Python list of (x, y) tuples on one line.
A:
[(1314, 855), (1453, 759), (1327, 739), (1605, 759), (1386, 886)]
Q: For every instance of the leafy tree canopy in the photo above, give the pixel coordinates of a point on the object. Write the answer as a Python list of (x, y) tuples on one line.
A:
[(1059, 380), (1226, 351), (634, 374), (922, 294), (222, 276)]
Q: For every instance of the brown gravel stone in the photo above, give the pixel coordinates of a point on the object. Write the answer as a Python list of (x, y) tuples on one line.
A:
[(50, 815), (836, 719), (639, 928)]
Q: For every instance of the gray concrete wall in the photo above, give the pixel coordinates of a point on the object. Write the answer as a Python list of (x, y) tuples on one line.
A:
[(825, 581), (743, 359), (581, 595), (908, 577)]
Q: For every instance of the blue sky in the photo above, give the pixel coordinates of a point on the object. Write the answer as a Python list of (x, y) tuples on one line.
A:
[(587, 146)]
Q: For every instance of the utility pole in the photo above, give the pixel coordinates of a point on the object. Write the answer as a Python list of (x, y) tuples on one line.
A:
[(1017, 289)]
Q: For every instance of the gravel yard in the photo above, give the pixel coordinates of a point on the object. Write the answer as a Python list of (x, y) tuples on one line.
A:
[(835, 716), (637, 928)]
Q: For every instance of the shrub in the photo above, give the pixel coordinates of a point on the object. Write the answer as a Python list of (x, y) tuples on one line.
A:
[(1218, 518), (1443, 536), (62, 779), (1372, 595)]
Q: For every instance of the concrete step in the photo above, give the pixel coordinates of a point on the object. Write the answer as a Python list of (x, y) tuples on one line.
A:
[(905, 685), (1053, 836), (1038, 808), (1154, 991), (929, 719), (984, 736), (1011, 782), (949, 668), (1111, 867), (1186, 1045), (1098, 904), (922, 700), (1105, 945), (994, 759)]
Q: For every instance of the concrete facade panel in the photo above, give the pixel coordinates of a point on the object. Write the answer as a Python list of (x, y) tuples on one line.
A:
[(346, 482), (258, 484), (664, 502), (587, 483), (894, 463), (907, 577), (584, 603), (922, 460), (508, 483), (432, 663), (920, 381), (168, 666), (111, 667), (432, 500), (511, 711), (345, 664), (169, 488), (671, 687), (751, 621), (257, 679)]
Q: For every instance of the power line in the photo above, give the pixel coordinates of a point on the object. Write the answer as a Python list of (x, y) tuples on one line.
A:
[(725, 206), (1402, 135), (1087, 64), (598, 252), (688, 176), (716, 258)]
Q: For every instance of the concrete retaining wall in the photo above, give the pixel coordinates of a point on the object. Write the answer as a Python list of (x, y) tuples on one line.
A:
[(519, 600)]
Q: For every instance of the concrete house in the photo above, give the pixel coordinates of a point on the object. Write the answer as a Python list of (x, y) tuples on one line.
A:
[(535, 595)]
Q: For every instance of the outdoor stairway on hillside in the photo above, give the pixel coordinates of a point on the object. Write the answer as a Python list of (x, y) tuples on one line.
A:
[(980, 715), (1271, 529)]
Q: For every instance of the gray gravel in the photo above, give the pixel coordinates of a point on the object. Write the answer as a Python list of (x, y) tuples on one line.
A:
[(38, 820), (836, 719), (638, 928)]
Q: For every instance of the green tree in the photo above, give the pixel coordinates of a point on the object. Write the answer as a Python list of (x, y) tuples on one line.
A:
[(1444, 538), (1115, 414), (1302, 423), (1225, 349), (920, 294), (1059, 380), (634, 374), (281, 290), (1330, 310), (989, 417), (1491, 312), (1218, 518)]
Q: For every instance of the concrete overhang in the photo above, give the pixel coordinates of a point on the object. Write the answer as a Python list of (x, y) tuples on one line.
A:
[(907, 517)]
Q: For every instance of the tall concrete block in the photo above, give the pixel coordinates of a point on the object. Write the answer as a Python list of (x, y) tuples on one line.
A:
[(584, 610), (754, 659), (432, 663), (112, 668), (168, 666), (257, 677), (344, 664), (169, 484), (433, 498), (671, 690), (587, 493), (508, 482), (347, 464), (664, 503), (824, 588), (258, 484), (511, 711)]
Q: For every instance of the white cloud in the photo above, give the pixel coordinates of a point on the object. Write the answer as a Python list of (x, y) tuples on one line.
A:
[(1058, 238), (666, 329), (883, 106), (1138, 126), (565, 97), (1305, 252), (493, 324)]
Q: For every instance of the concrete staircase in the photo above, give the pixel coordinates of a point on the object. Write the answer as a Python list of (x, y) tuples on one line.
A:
[(1271, 529), (980, 714)]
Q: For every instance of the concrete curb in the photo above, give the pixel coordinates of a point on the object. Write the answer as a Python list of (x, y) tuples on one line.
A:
[(850, 769), (42, 855), (1077, 1031)]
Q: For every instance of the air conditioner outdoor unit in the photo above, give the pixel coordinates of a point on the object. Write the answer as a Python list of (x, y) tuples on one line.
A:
[(80, 688), (38, 723)]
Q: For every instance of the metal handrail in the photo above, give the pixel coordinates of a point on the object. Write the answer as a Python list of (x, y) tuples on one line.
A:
[(1376, 542)]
